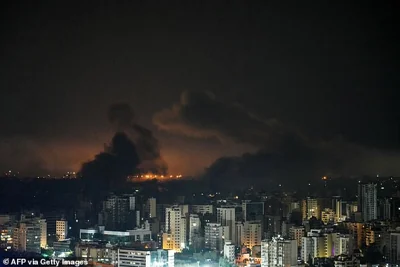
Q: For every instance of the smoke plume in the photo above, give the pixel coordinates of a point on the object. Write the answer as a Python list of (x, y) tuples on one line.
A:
[(112, 167), (122, 117), (132, 149), (284, 152)]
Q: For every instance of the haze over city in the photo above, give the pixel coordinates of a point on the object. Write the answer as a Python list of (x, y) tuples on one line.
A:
[(209, 81)]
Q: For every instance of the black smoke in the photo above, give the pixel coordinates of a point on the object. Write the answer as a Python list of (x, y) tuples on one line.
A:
[(122, 117), (111, 168), (284, 153), (133, 149)]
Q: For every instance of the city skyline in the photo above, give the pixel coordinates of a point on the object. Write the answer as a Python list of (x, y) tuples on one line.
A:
[(199, 134)]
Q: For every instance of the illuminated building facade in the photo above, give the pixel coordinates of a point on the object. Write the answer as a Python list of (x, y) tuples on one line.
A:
[(297, 233), (278, 253), (144, 258), (6, 240), (61, 229), (175, 229), (251, 234), (229, 252), (311, 208), (327, 215), (27, 237)]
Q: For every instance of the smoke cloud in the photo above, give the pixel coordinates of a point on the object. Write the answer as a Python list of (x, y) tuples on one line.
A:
[(122, 117), (284, 152), (201, 115), (133, 149), (114, 165)]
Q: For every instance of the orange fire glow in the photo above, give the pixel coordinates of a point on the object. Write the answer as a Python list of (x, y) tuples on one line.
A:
[(151, 176)]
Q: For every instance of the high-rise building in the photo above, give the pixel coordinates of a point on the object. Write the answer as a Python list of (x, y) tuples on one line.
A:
[(43, 233), (6, 237), (27, 237), (145, 258), (313, 246), (286, 229), (338, 207), (151, 207), (229, 252), (214, 236), (272, 225), (344, 245), (61, 229), (175, 229), (394, 248), (93, 252), (194, 231), (161, 208), (297, 233), (294, 206), (329, 244), (251, 234), (278, 253), (51, 218), (118, 213), (367, 201), (385, 209), (327, 215), (226, 217), (252, 211), (351, 209), (311, 208), (357, 231)]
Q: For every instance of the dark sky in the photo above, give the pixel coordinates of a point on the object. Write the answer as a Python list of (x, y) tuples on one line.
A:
[(327, 69)]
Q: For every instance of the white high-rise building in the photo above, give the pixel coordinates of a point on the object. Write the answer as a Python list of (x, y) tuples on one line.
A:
[(251, 234), (278, 253), (344, 245), (367, 201), (175, 229), (214, 236), (313, 245), (194, 230), (229, 252), (145, 258), (226, 217), (61, 229)]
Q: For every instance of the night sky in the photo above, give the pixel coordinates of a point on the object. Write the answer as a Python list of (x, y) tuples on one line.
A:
[(317, 83)]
